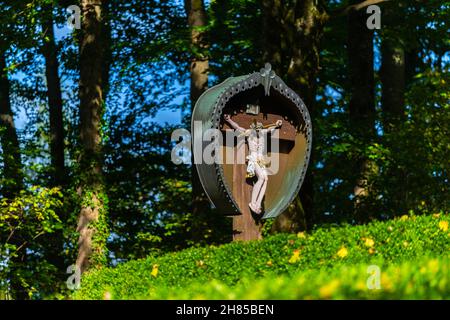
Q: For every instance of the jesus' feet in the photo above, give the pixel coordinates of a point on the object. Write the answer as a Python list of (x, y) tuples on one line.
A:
[(254, 208)]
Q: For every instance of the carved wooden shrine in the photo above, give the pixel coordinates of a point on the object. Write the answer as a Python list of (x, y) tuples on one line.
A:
[(258, 97)]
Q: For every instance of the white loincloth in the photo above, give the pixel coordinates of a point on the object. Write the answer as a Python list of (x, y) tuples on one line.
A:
[(253, 161)]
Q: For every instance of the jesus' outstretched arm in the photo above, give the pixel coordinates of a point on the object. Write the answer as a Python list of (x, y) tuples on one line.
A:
[(233, 124), (277, 125)]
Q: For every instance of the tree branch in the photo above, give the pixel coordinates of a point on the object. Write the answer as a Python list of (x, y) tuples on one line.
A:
[(356, 7), (363, 4)]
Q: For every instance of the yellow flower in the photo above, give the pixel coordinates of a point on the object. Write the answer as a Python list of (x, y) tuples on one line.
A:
[(343, 252), (301, 235), (443, 225), (361, 285), (371, 250), (295, 256), (386, 282), (155, 270), (405, 243), (269, 263), (404, 217), (369, 242), (433, 266), (200, 263), (327, 290)]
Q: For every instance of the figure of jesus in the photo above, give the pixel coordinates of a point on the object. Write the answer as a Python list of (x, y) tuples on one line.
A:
[(256, 161)]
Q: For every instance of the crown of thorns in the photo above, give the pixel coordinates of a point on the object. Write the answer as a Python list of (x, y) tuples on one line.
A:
[(256, 125)]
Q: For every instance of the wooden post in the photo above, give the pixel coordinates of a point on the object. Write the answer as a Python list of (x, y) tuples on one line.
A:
[(246, 226)]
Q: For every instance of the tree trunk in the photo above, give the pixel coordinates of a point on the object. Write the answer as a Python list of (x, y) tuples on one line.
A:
[(92, 224), (393, 76), (54, 98), (362, 102), (292, 36), (195, 11), (107, 50), (12, 170), (54, 243), (12, 180)]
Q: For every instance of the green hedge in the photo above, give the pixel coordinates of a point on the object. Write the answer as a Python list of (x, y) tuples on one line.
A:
[(422, 279), (393, 241)]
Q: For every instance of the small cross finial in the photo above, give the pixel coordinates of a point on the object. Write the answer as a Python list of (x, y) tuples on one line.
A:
[(267, 75)]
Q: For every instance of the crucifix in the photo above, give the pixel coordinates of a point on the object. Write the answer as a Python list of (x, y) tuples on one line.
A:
[(245, 182), (257, 162)]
